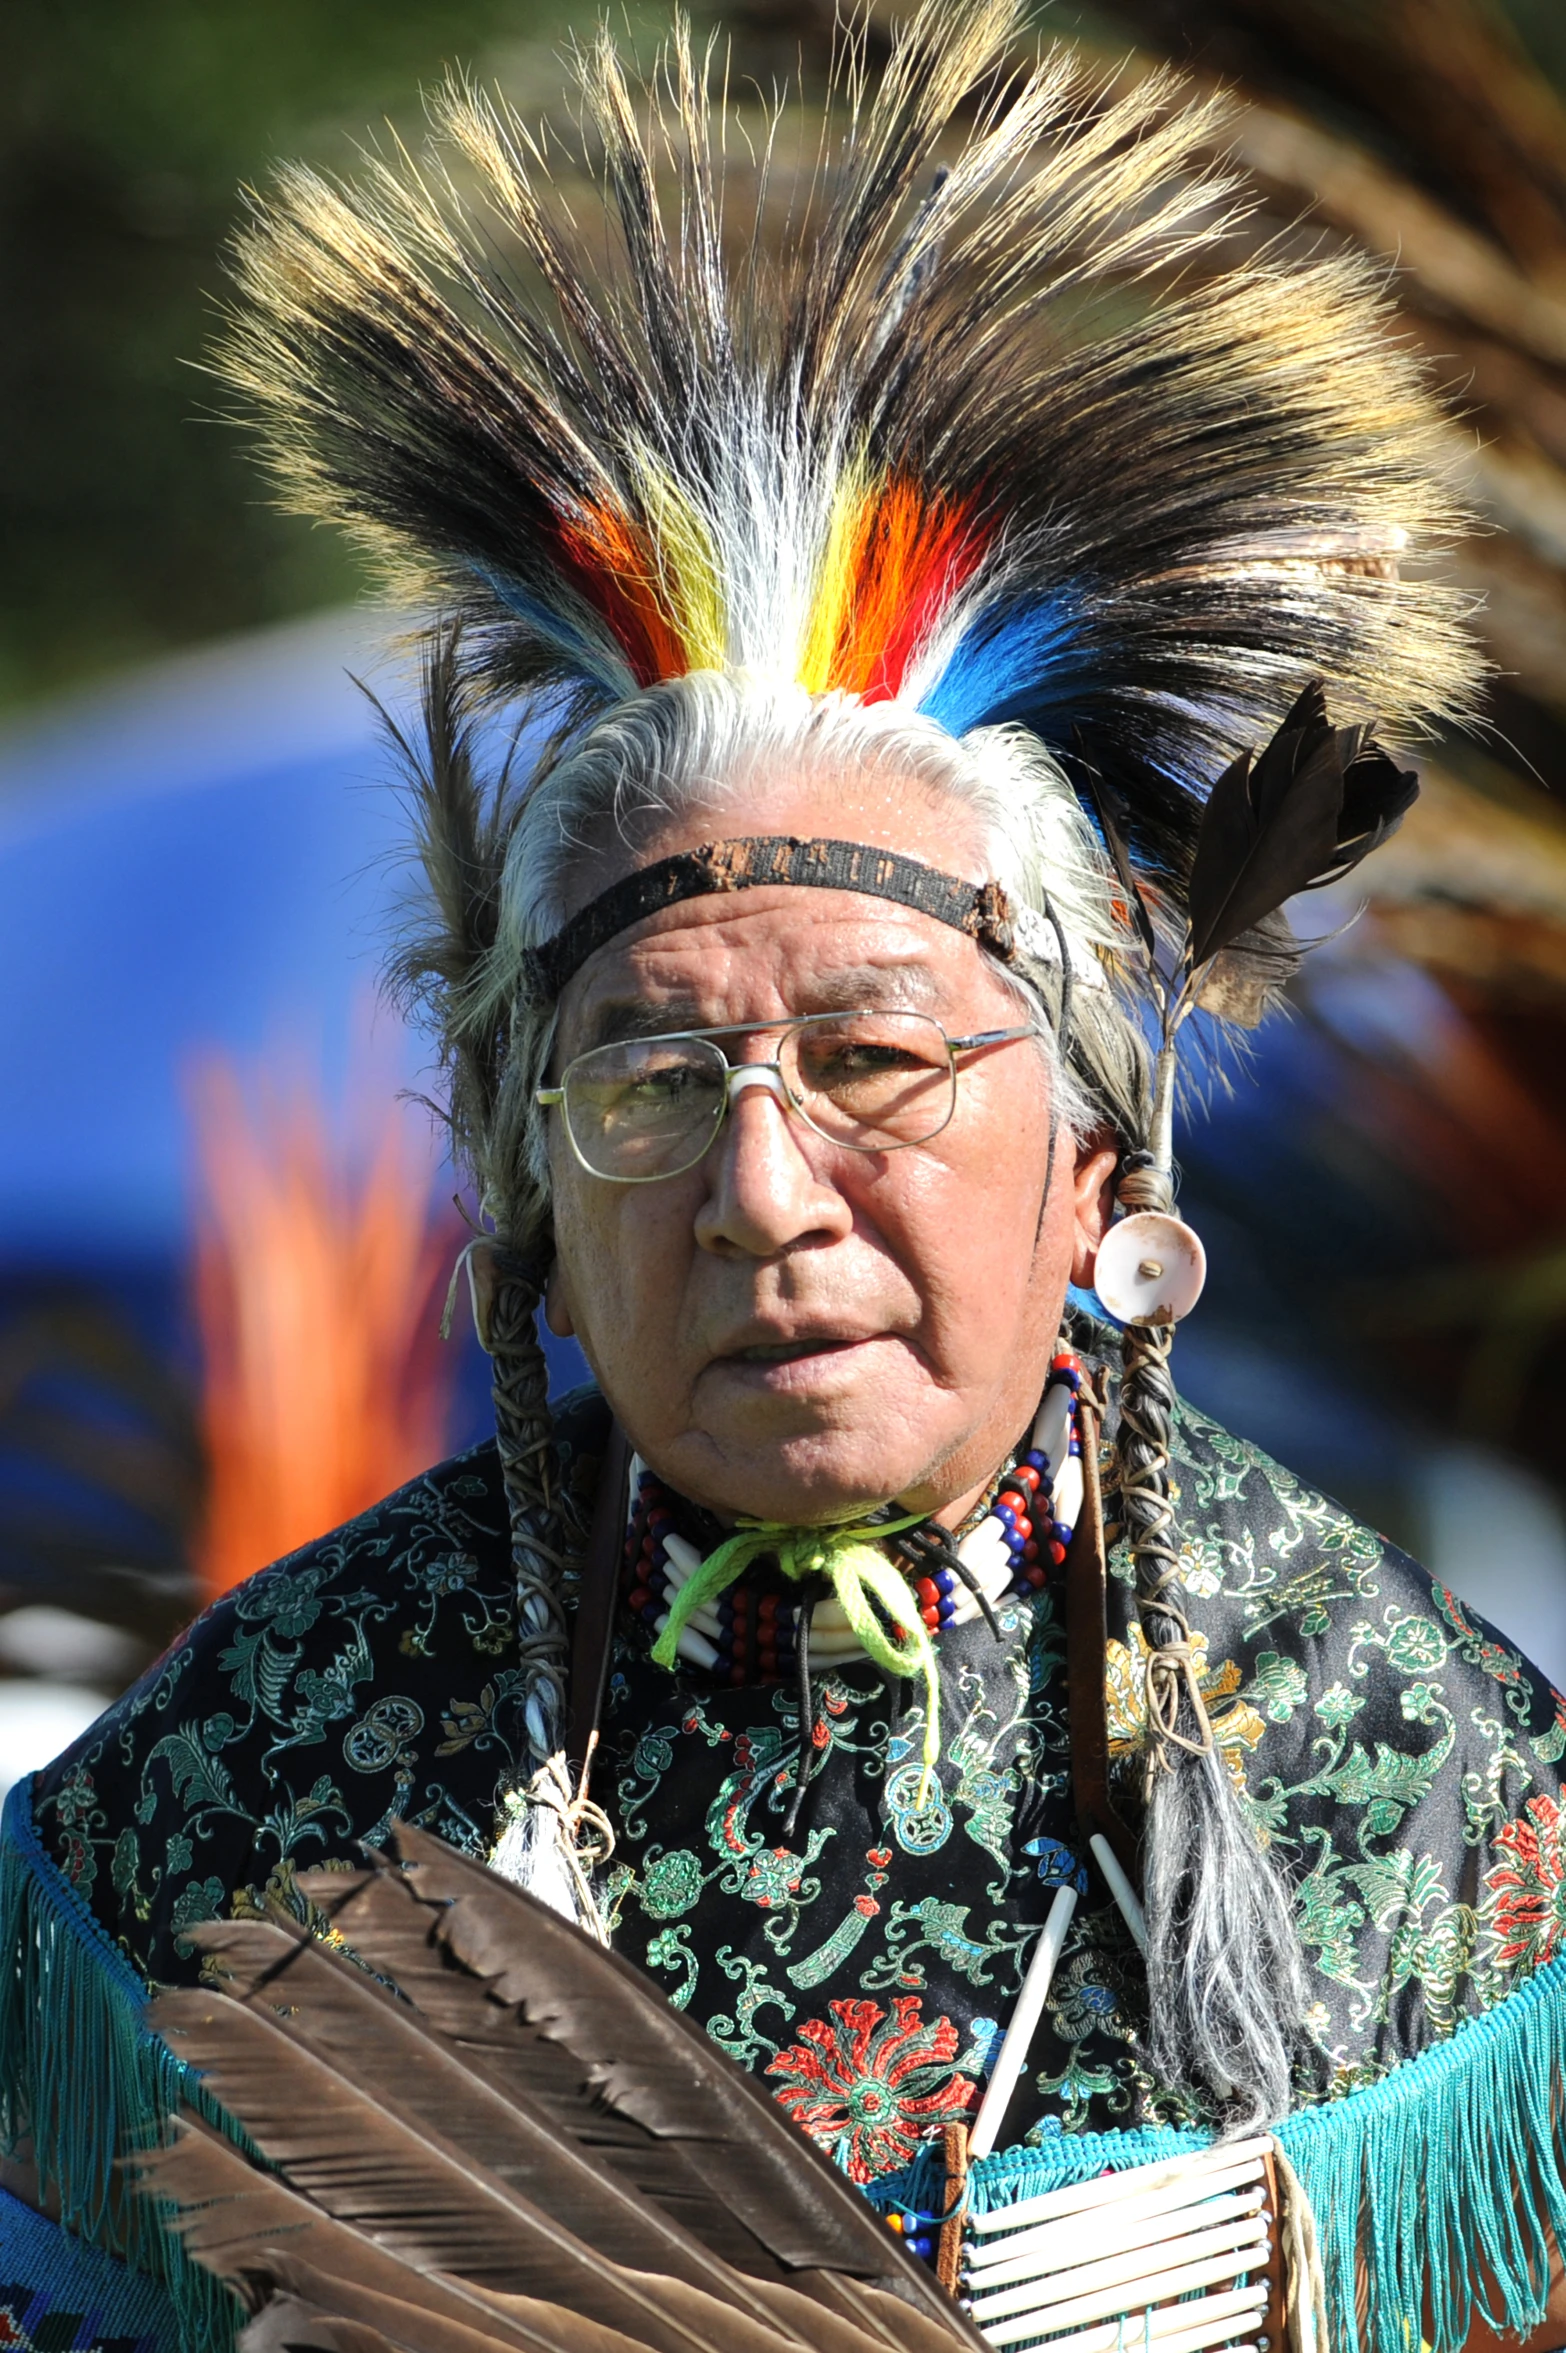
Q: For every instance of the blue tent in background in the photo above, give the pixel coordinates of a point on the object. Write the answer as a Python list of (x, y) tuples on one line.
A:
[(202, 856)]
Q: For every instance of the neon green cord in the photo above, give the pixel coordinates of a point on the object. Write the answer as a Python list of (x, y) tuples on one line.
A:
[(851, 1561)]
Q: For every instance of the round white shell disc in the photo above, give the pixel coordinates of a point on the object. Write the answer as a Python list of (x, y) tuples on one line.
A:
[(1150, 1269)]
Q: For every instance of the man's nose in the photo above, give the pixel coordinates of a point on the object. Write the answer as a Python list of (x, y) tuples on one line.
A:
[(765, 1194)]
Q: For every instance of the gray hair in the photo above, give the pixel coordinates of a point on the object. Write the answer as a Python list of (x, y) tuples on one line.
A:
[(697, 744)]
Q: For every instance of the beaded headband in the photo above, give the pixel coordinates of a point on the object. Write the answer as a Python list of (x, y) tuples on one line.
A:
[(981, 909)]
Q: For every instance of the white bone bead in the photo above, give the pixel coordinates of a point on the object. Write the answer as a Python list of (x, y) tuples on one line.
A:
[(1052, 1429), (694, 1648), (683, 1560), (1066, 1500)]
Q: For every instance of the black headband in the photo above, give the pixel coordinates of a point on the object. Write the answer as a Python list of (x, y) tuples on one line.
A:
[(981, 909)]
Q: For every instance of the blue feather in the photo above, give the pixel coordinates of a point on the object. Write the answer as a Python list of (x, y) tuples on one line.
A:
[(1015, 659), (585, 653)]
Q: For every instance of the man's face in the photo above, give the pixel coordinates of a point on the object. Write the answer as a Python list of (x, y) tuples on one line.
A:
[(792, 1329)]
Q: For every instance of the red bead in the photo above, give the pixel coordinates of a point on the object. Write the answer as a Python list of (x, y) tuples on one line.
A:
[(741, 1601), (1024, 1527), (931, 1617), (769, 1608), (639, 1597), (928, 1591), (1057, 1551), (1065, 1362), (1030, 1552), (1036, 1578), (1026, 1476), (737, 1676)]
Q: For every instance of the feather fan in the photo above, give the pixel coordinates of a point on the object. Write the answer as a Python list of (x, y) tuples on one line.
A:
[(482, 2129)]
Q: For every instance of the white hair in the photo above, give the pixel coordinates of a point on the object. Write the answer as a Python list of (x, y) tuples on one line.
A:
[(701, 744)]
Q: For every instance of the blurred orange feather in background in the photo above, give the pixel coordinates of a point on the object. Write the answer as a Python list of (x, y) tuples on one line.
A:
[(317, 1268)]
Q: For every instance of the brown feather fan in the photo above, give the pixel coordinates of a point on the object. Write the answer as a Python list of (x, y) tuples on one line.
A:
[(520, 2147)]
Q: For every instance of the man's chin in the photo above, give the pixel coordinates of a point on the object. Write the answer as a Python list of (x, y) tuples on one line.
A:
[(800, 1479)]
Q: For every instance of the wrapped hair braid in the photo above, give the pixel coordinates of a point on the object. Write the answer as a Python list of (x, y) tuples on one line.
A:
[(524, 1434), (1226, 1976), (551, 1837)]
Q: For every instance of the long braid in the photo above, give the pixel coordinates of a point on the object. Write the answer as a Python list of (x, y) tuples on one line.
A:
[(550, 1836), (1226, 1975)]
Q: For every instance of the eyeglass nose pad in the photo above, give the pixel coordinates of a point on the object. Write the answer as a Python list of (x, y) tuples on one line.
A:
[(757, 1074)]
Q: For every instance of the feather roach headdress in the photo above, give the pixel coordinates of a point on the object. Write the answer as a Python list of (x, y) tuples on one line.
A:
[(983, 426)]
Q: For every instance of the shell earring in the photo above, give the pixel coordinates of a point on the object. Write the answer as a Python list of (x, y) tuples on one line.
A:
[(1150, 1268)]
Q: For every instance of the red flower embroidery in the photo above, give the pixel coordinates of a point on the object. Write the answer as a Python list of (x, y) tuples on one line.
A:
[(1528, 1890), (869, 2088)]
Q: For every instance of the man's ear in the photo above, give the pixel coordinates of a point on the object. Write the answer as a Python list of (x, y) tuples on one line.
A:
[(557, 1303), (1093, 1201)]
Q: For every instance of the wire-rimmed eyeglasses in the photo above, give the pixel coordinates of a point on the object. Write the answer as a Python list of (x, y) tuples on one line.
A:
[(648, 1108)]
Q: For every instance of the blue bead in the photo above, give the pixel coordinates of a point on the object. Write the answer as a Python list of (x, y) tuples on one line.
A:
[(1061, 1533), (1039, 1462), (946, 1611), (921, 2246), (944, 1582)]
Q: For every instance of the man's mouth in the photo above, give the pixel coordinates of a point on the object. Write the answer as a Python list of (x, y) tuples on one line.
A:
[(787, 1351)]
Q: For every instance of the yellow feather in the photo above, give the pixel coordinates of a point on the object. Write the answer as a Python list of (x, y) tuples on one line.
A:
[(687, 563), (833, 599)]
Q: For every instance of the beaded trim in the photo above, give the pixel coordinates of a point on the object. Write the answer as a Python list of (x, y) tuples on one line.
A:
[(750, 1634)]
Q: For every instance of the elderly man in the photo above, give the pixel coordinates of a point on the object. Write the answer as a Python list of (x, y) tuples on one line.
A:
[(892, 621)]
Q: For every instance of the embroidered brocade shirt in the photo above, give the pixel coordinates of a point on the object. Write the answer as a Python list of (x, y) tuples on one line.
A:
[(1404, 1762)]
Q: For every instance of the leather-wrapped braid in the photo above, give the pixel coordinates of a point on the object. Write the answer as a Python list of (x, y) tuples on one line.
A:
[(552, 1836), (524, 1432), (1225, 1971)]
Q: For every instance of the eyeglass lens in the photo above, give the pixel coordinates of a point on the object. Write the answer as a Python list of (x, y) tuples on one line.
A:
[(651, 1106)]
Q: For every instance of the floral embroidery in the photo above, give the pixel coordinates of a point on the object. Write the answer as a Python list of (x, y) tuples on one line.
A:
[(871, 2086), (1528, 1889)]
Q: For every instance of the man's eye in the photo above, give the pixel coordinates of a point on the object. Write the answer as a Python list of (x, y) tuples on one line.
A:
[(661, 1085), (862, 1061)]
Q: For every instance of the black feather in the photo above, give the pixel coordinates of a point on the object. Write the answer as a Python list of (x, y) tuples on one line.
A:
[(1316, 801), (1247, 979)]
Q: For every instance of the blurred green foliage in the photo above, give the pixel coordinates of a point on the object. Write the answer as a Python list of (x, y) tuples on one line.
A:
[(129, 521)]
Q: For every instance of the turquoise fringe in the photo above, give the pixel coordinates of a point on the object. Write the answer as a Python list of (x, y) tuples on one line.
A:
[(1446, 2176), (82, 2075), (1451, 2167)]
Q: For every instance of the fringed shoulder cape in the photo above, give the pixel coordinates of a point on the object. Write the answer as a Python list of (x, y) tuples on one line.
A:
[(1403, 1760)]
